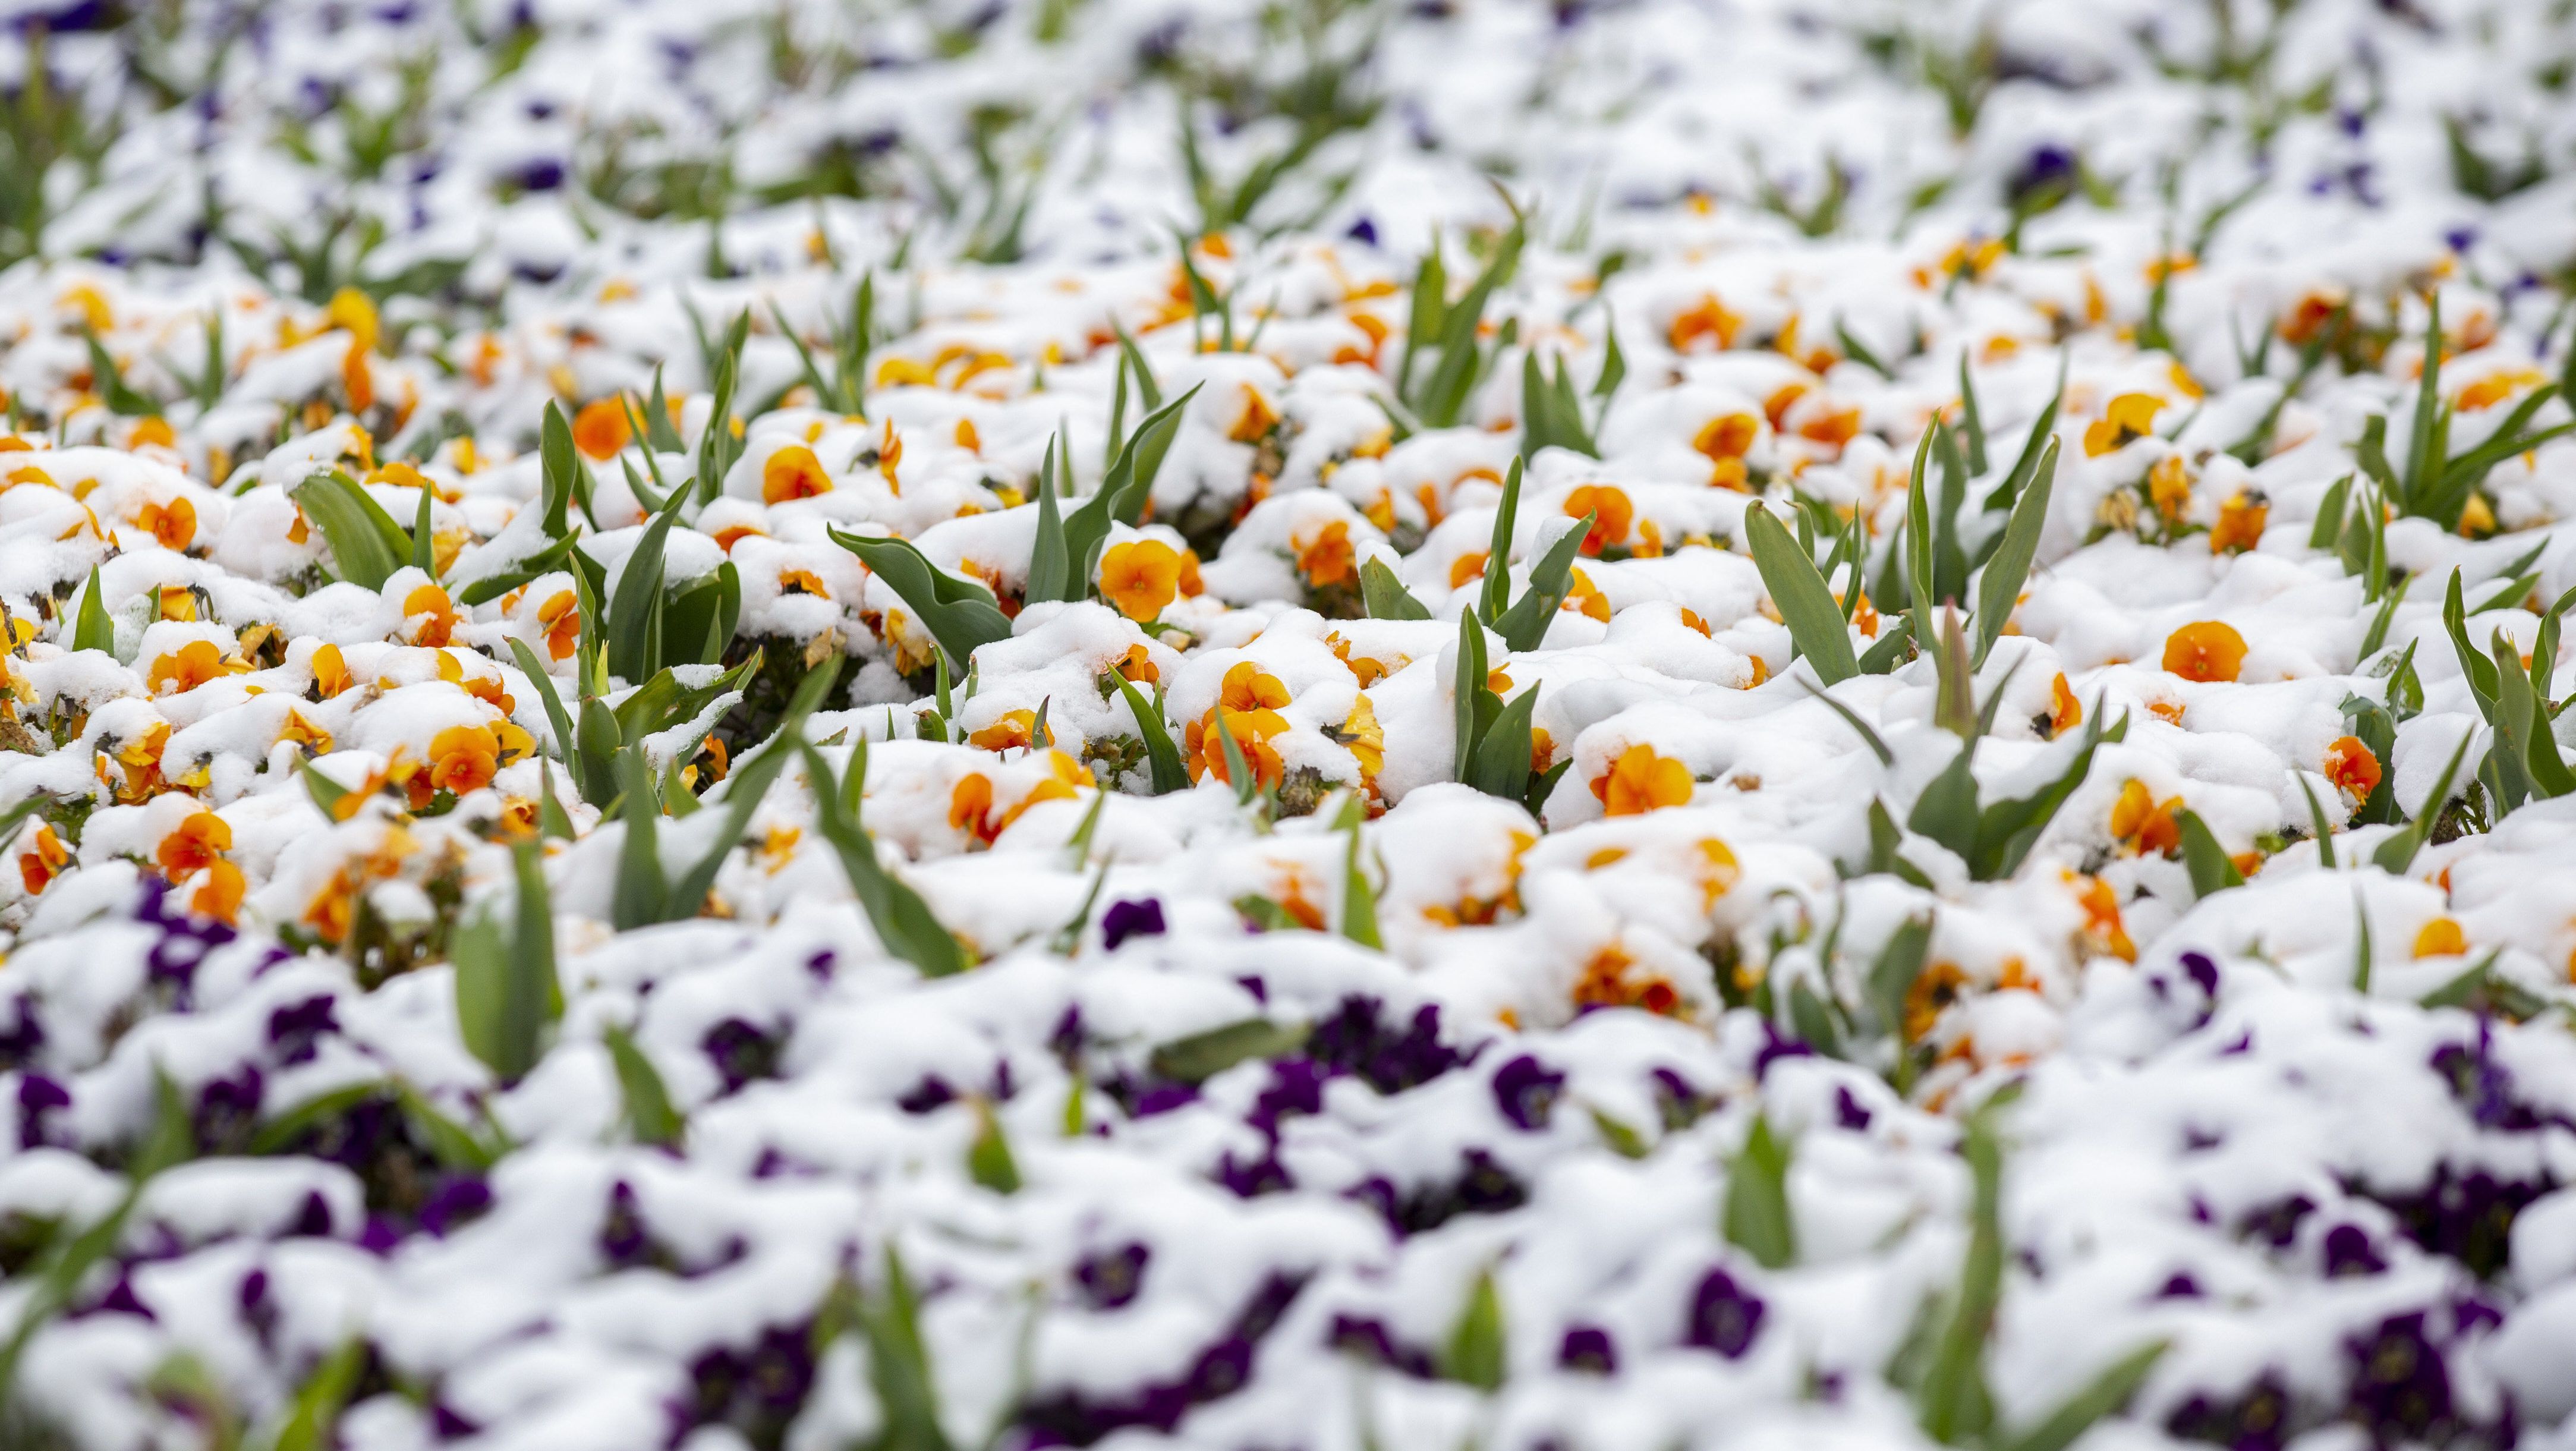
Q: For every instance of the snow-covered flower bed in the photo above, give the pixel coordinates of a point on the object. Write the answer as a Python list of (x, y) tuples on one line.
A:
[(1328, 725)]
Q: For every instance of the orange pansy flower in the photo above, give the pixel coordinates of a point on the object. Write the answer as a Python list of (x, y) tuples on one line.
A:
[(488, 689), (1585, 598), (220, 895), (2441, 937), (2240, 523), (354, 313), (1250, 731), (1365, 739), (1606, 983), (330, 672), (1707, 321), (2131, 415), (1727, 437), (561, 616), (2065, 712), (43, 860), (2169, 486), (600, 429), (2351, 766), (1640, 781), (191, 665), (1138, 666), (1140, 577), (2102, 925), (1327, 558), (2206, 651), (793, 473), (462, 758), (1612, 514), (436, 612), (970, 801), (2138, 816), (1257, 420), (1015, 730), (1247, 687), (356, 380), (198, 840), (173, 524), (308, 737)]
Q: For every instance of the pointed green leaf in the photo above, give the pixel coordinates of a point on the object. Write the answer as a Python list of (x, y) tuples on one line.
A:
[(2318, 823), (988, 1157), (659, 436), (635, 606), (899, 1366), (1130, 480), (903, 921), (366, 545), (1385, 596), (1453, 376), (1202, 1056), (1467, 688), (1813, 1021), (506, 991), (1497, 588), (1947, 809), (1889, 650), (424, 549), (2421, 455), (960, 614), (2474, 664), (1359, 898), (649, 1114), (492, 586), (1953, 1402), (1999, 587), (2397, 853), (2007, 830), (1475, 1353), (563, 471), (1758, 1220), (2330, 511), (1524, 625), (1170, 773), (2099, 1397), (2042, 437), (1502, 764), (1050, 561), (1806, 604), (313, 1416), (2211, 870), (1972, 422), (91, 628)]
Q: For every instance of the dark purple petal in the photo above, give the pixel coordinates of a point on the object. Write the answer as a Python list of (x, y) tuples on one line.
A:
[(1130, 919), (1526, 1092), (1588, 1347), (1112, 1277), (1724, 1316), (741, 1052), (39, 1098), (295, 1031)]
